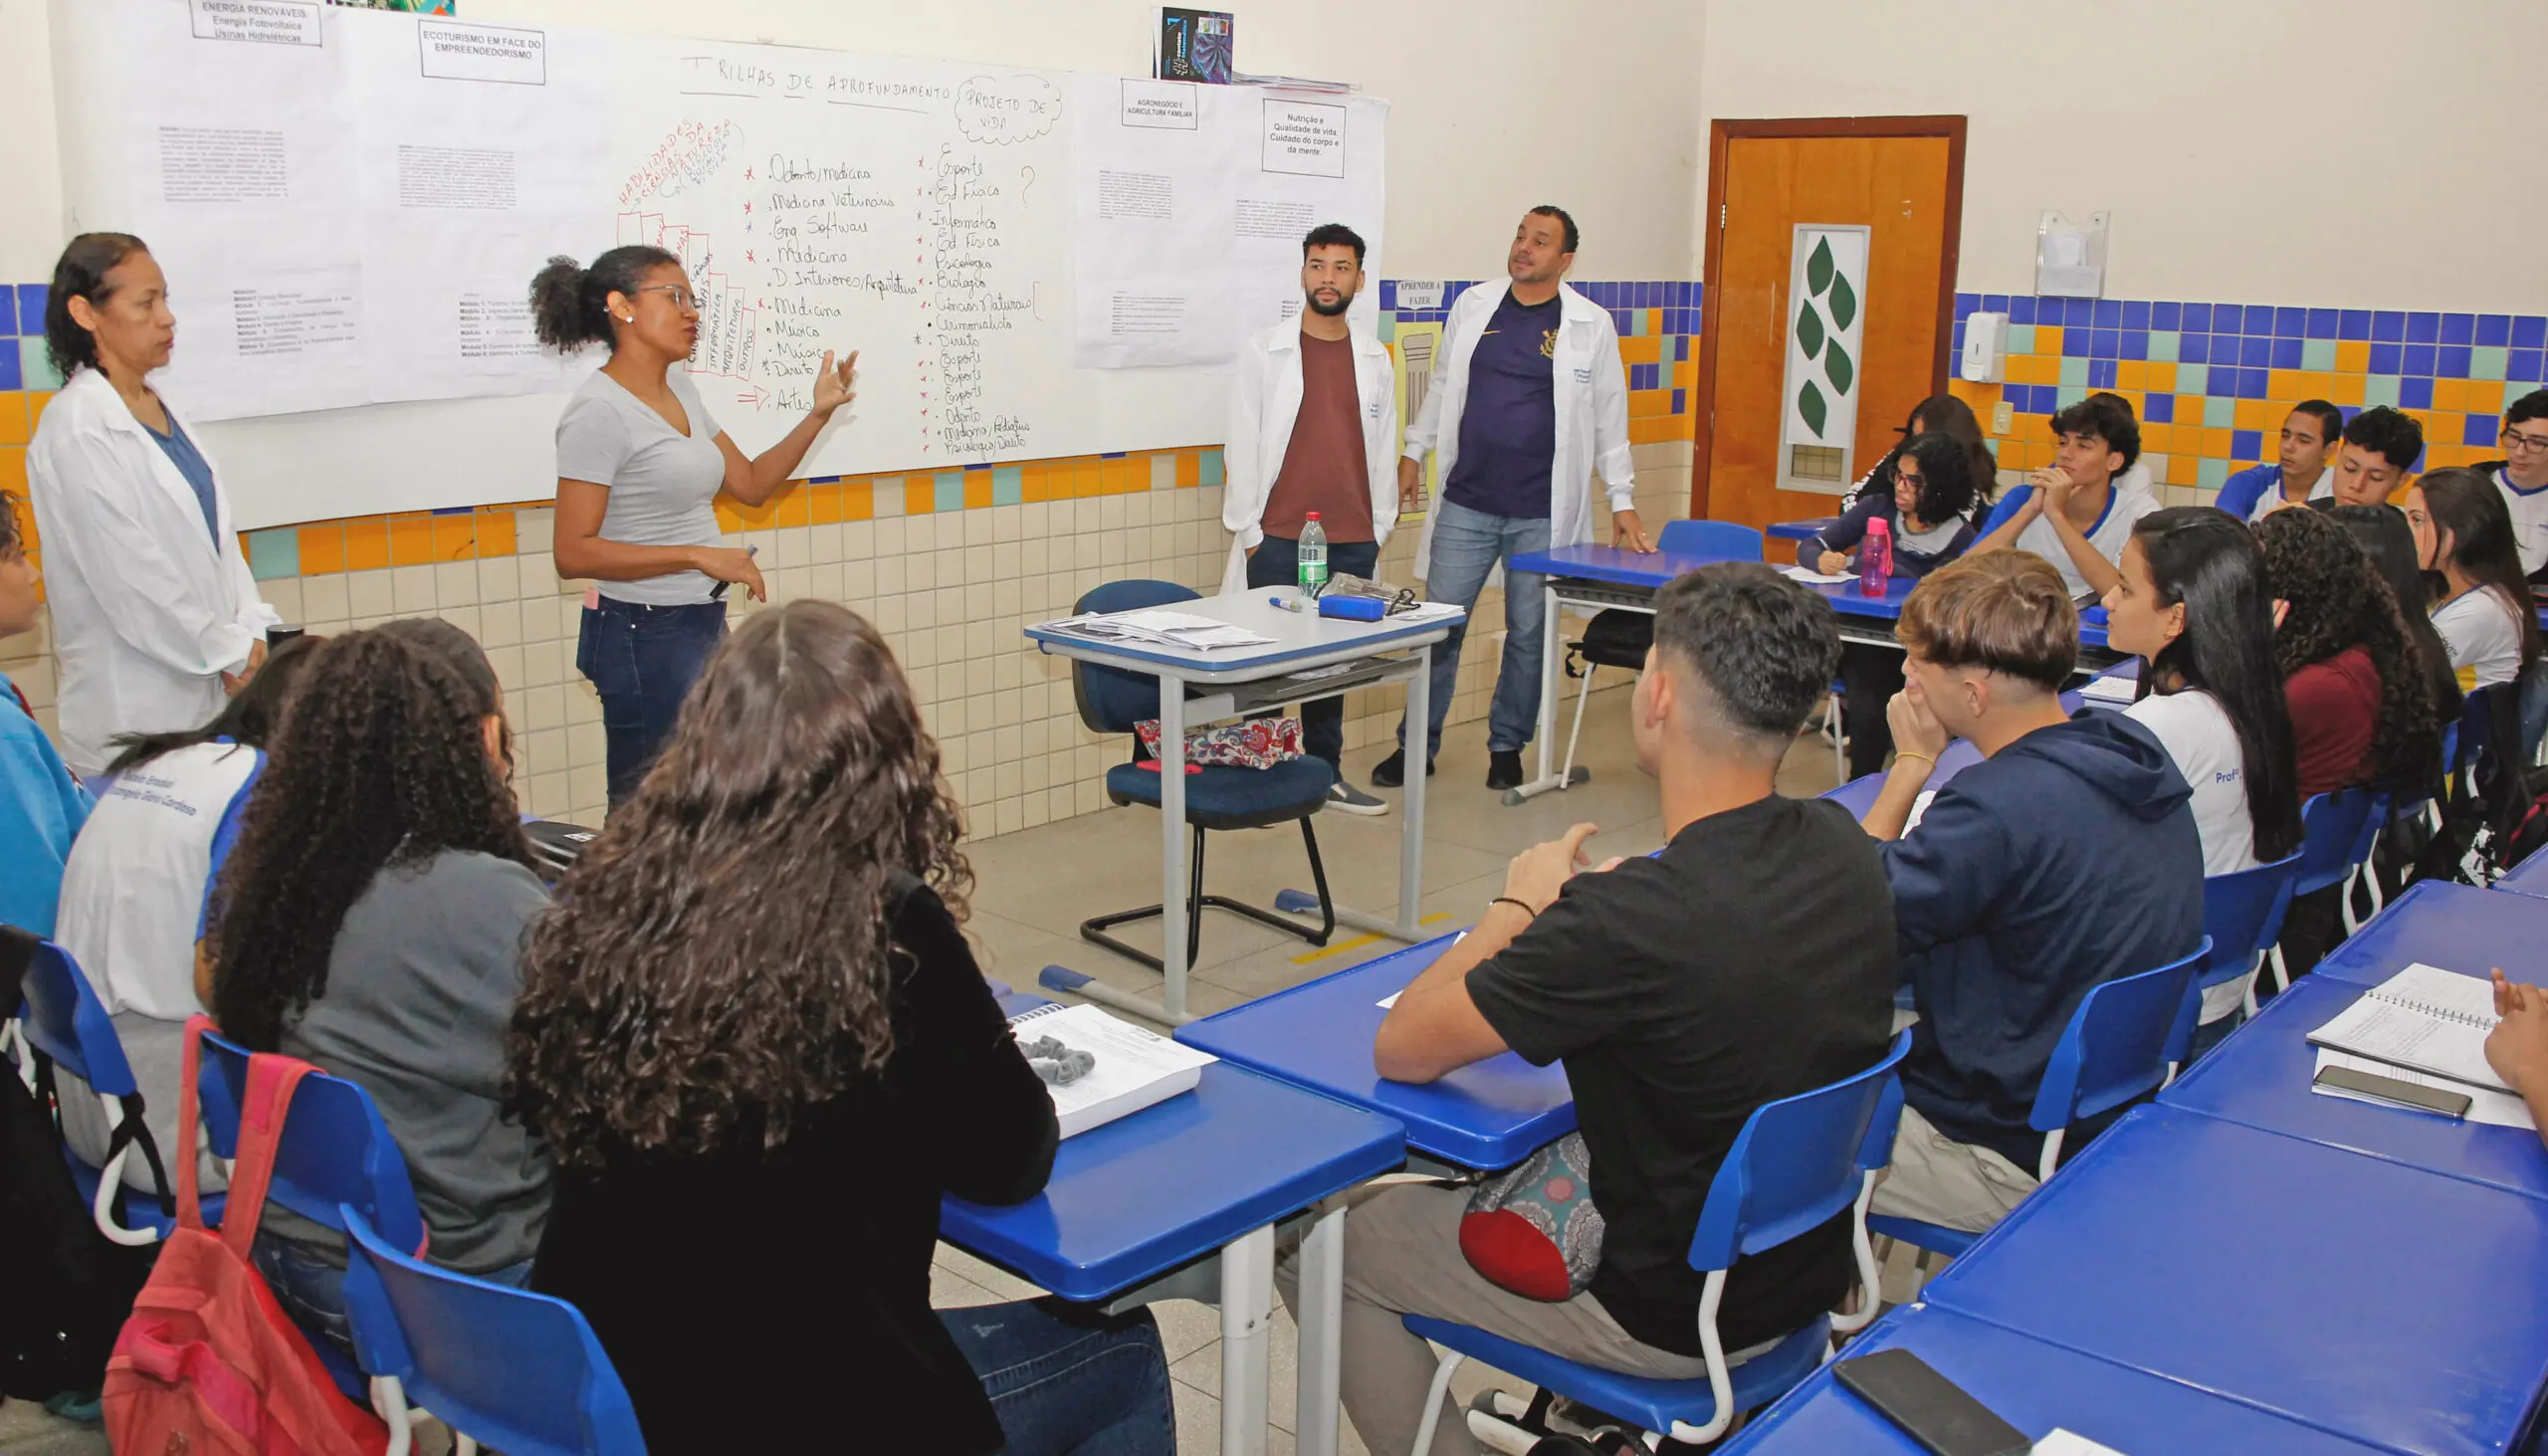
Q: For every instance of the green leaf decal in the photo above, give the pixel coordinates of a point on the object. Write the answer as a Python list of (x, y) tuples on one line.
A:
[(1843, 301), (1818, 268), (1808, 330), (1809, 402), (1837, 365)]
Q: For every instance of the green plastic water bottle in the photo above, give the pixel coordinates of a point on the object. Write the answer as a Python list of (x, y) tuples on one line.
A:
[(1313, 557)]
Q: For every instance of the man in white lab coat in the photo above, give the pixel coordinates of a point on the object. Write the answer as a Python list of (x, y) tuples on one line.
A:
[(1313, 417), (1528, 400)]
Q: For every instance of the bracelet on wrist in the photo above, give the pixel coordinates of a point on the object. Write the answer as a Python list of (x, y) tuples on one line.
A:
[(1522, 906)]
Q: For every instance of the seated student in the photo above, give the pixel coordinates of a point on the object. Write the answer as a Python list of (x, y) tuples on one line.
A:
[(368, 922), (2522, 477), (2303, 471), (2464, 534), (2077, 511), (133, 895), (1752, 960), (753, 1037), (2384, 536), (1928, 513), (2192, 606), (2378, 458), (40, 805), (2068, 858), (1939, 414), (2519, 1046)]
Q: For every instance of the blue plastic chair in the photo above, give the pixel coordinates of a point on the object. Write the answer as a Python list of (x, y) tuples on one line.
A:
[(335, 1151), (2359, 872), (517, 1370), (1220, 796), (67, 1026), (2114, 1049), (2331, 827), (1679, 537), (1797, 1162), (2242, 918)]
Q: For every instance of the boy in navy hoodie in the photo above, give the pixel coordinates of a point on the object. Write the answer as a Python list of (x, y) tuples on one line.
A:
[(2068, 858)]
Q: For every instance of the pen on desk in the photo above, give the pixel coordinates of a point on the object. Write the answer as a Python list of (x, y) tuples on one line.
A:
[(1287, 603), (718, 592)]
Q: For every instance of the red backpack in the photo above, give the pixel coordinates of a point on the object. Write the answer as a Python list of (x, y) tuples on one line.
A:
[(209, 1362)]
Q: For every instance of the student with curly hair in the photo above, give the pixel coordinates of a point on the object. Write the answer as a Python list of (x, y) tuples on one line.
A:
[(753, 1039), (369, 921), (2352, 674)]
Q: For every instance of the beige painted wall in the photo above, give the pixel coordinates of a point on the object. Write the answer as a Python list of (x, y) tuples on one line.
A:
[(2329, 153)]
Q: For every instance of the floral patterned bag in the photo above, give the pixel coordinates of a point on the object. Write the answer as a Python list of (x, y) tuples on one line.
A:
[(1534, 1230), (1255, 743)]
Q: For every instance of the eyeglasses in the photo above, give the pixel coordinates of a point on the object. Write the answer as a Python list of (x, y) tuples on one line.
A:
[(2533, 444), (682, 298)]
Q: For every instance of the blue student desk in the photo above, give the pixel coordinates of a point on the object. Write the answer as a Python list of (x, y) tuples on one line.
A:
[(2374, 1301), (1591, 579), (1799, 530), (2449, 926), (1318, 1035), (2530, 878), (1203, 1174), (2033, 1386), (2261, 1078)]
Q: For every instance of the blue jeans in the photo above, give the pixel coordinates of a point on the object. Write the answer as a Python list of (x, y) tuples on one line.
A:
[(642, 660), (1067, 1381), (1467, 544), (311, 1286), (1277, 562)]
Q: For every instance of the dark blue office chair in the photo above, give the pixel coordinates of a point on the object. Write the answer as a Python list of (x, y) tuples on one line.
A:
[(1797, 1162), (65, 1025), (1219, 796), (2331, 828), (2242, 918), (2114, 1049), (334, 1151), (1617, 637), (518, 1371)]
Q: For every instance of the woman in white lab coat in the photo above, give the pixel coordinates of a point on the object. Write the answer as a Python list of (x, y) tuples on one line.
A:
[(156, 619)]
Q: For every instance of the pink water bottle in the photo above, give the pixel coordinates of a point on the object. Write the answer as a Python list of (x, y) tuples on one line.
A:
[(1875, 559)]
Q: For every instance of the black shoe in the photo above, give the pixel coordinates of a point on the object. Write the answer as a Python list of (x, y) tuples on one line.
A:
[(1503, 768), (1391, 772)]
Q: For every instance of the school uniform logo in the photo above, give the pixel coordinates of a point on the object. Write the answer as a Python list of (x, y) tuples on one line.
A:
[(1547, 345)]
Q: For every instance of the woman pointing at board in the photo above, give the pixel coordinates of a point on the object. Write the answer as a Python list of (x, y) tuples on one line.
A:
[(639, 464)]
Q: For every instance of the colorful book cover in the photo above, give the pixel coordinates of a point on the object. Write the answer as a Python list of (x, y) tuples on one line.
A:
[(1193, 45), (414, 7)]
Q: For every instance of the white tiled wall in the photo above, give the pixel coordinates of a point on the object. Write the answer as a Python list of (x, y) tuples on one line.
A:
[(952, 591)]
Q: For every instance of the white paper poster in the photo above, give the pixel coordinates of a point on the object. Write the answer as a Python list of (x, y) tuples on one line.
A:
[(1189, 234)]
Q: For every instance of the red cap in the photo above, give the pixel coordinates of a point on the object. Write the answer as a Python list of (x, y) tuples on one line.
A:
[(1312, 516)]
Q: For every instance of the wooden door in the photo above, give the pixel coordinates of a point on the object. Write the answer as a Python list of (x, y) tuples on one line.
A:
[(1908, 190)]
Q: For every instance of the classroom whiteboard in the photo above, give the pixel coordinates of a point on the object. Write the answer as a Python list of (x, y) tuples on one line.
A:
[(350, 205)]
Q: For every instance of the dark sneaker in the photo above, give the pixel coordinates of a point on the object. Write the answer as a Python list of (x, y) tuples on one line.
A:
[(1391, 772), (1345, 799), (1503, 768)]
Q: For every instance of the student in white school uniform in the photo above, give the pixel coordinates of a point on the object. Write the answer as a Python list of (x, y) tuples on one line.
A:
[(2192, 604), (2485, 616), (155, 618), (133, 894), (1313, 426), (2522, 477), (2078, 511), (2303, 471)]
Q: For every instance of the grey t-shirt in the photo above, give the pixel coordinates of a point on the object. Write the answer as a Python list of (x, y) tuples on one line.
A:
[(662, 483), (420, 987)]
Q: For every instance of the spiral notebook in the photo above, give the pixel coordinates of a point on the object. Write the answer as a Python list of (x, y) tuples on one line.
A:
[(2425, 1019)]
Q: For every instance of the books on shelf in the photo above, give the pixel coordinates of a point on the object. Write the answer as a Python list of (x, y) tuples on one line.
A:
[(2423, 1019), (1097, 1068)]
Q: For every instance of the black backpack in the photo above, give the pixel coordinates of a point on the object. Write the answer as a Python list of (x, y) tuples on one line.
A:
[(2495, 814), (69, 1288)]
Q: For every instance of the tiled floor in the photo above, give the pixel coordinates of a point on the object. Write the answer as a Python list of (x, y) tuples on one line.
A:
[(1036, 886)]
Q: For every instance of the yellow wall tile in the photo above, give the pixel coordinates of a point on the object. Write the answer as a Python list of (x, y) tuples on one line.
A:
[(2215, 444), (792, 506), (824, 501), (366, 543), (322, 550), (496, 534), (14, 429), (2284, 384), (2353, 356), (2183, 470), (2048, 342), (728, 518), (411, 540), (2162, 379), (978, 488), (13, 470), (455, 538), (1641, 348), (2189, 408), (2451, 394), (2251, 414), (2348, 389), (2486, 396), (920, 495), (1189, 468), (2155, 438), (2132, 374)]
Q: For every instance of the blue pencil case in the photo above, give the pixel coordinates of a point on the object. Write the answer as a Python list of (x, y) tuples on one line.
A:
[(1352, 608)]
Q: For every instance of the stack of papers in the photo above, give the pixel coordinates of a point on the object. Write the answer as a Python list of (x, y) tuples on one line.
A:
[(1160, 628), (2112, 688), (1428, 612), (1812, 577), (1098, 1069)]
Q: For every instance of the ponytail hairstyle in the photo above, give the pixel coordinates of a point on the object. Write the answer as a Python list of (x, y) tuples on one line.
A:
[(571, 305), (81, 273), (2482, 545), (2207, 561)]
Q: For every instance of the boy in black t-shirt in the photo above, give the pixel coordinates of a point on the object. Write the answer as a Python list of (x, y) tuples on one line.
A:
[(1752, 960)]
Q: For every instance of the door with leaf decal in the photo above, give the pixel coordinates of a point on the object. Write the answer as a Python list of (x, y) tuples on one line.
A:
[(1827, 304)]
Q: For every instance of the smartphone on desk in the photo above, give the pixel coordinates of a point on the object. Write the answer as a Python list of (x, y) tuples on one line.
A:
[(1930, 1409)]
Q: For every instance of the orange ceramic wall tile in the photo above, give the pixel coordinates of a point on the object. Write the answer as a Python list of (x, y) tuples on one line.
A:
[(978, 488), (920, 495), (366, 543), (2349, 389), (14, 429), (2353, 356), (2250, 415), (1189, 468), (2162, 378), (858, 499), (411, 540), (322, 550), (455, 538), (496, 534), (793, 505)]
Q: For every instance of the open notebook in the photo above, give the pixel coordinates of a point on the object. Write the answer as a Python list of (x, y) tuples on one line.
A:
[(2425, 1019), (1096, 1068)]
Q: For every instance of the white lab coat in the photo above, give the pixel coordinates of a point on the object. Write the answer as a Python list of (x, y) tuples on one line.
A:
[(1265, 402), (148, 611), (1592, 398)]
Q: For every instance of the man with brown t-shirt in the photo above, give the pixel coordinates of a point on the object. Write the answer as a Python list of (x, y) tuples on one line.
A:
[(1312, 427)]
